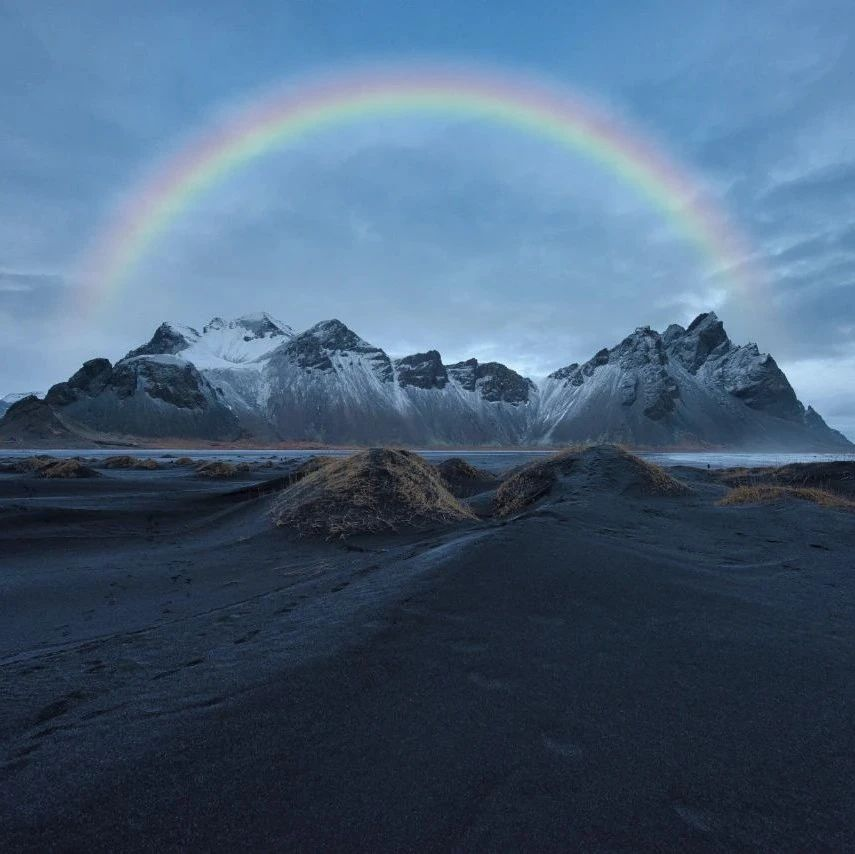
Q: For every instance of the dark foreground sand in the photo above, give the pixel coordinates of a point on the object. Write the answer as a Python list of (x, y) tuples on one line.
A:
[(602, 673)]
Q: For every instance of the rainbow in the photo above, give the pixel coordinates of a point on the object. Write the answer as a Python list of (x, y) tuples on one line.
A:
[(293, 112)]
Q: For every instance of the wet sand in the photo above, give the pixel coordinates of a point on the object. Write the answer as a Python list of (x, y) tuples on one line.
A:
[(600, 673)]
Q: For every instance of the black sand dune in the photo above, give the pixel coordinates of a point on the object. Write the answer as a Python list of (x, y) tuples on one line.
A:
[(606, 670), (378, 490)]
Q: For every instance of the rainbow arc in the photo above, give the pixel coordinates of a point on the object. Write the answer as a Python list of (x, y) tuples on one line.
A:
[(294, 113)]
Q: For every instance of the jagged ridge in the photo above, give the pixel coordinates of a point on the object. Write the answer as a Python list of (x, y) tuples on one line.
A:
[(253, 377)]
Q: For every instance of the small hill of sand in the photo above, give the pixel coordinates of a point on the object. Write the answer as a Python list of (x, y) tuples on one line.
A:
[(127, 462), (767, 494), (836, 476), (43, 465), (463, 479), (597, 469), (380, 489), (67, 469), (28, 465), (220, 469)]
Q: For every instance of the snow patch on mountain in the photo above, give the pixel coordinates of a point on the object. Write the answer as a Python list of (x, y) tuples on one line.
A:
[(221, 343)]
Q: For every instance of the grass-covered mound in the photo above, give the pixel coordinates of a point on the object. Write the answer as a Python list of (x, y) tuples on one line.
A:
[(612, 468), (463, 479), (29, 465), (836, 476), (127, 462), (766, 494), (310, 466), (219, 469), (529, 483), (44, 465), (595, 469), (67, 469), (381, 489)]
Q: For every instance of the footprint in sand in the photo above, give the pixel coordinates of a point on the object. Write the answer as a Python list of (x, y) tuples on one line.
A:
[(59, 707), (469, 647), (694, 817), (489, 683), (561, 746)]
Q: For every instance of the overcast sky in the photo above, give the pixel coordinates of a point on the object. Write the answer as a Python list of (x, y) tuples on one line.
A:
[(435, 232)]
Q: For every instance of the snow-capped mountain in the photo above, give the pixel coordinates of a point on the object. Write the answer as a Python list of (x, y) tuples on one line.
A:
[(253, 378), (221, 343), (685, 387)]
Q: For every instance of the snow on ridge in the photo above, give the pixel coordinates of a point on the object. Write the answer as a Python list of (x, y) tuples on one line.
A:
[(241, 342)]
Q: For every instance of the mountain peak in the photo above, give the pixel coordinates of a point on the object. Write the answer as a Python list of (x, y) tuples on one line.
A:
[(334, 335), (422, 370), (221, 343), (705, 318), (261, 325), (703, 338)]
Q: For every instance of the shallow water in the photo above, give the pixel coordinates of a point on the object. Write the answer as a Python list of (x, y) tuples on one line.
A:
[(490, 460)]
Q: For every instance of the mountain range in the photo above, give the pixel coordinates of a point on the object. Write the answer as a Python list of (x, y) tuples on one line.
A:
[(254, 380)]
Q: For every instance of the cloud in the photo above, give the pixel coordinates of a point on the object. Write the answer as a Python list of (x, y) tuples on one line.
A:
[(25, 292), (826, 384), (431, 233)]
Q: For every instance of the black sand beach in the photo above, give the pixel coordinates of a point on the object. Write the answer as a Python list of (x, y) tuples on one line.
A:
[(604, 671)]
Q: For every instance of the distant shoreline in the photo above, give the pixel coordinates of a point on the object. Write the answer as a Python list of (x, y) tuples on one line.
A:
[(282, 447)]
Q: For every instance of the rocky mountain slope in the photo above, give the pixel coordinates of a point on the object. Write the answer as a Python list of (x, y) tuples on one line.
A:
[(253, 379), (7, 400)]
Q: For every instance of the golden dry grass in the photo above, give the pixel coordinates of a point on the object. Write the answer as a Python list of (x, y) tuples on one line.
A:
[(67, 469), (766, 493), (529, 483), (220, 469), (31, 464), (658, 481), (127, 462), (381, 489), (311, 465)]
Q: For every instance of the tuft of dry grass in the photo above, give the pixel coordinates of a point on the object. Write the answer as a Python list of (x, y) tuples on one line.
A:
[(185, 461), (127, 462), (220, 469), (657, 480), (67, 469), (381, 489), (766, 493), (835, 476), (29, 465), (529, 483), (311, 465)]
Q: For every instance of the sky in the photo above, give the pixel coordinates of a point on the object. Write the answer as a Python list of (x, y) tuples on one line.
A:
[(433, 231)]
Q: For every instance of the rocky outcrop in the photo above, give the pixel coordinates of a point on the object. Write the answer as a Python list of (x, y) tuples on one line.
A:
[(422, 370), (147, 396), (492, 380), (166, 341)]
